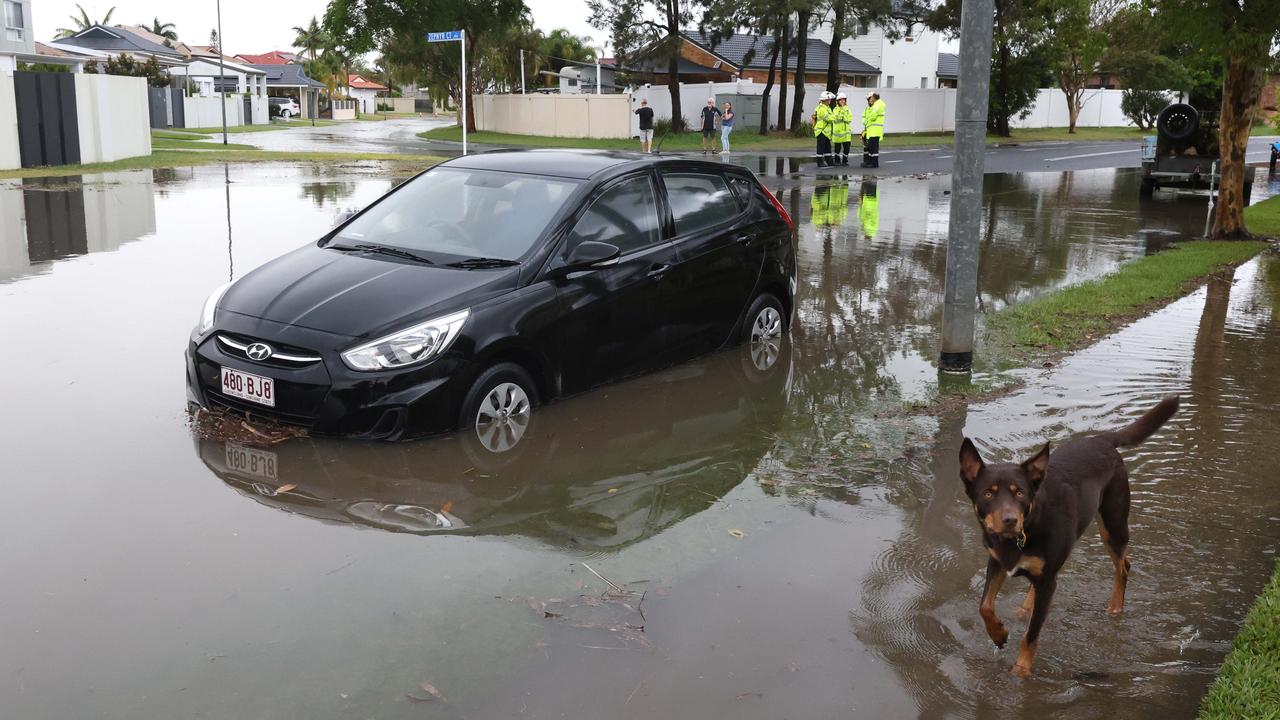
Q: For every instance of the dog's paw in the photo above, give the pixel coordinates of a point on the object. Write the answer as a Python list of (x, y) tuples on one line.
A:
[(1022, 671), (999, 636), (1115, 610)]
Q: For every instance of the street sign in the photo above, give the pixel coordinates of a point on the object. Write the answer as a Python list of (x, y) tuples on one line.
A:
[(459, 36)]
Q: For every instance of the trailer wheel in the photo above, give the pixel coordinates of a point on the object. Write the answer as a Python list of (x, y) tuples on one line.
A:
[(1178, 122)]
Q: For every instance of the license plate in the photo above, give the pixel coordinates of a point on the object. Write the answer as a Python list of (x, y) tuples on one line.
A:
[(251, 461), (253, 388)]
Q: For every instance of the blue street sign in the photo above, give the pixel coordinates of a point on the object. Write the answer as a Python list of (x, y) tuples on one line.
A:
[(446, 36)]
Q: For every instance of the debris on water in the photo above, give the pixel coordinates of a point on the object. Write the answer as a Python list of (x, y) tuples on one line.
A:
[(619, 613), (737, 533), (221, 426)]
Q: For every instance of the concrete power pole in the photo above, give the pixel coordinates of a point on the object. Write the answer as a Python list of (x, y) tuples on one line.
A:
[(961, 290)]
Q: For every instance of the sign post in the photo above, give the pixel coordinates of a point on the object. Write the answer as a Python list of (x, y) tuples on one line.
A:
[(461, 37)]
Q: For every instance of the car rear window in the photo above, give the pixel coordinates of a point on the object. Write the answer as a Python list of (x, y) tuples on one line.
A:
[(699, 200)]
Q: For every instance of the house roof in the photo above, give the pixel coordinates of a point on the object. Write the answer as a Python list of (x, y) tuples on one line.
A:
[(146, 34), (275, 57), (684, 66), (209, 54), (286, 76), (734, 49), (117, 40), (948, 65), (360, 83)]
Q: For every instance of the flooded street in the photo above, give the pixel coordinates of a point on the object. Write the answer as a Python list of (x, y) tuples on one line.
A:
[(716, 540)]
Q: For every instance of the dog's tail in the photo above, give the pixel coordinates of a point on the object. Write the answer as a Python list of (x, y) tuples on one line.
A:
[(1145, 426)]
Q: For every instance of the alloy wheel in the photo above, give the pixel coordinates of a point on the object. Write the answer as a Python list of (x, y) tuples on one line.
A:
[(766, 338), (503, 417)]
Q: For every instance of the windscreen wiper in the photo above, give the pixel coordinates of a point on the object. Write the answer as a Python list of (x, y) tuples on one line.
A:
[(382, 250), (482, 262)]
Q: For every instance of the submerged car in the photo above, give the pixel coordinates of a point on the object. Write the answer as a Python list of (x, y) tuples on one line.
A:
[(492, 283)]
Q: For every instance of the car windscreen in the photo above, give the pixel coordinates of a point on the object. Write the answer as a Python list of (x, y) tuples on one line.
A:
[(468, 213)]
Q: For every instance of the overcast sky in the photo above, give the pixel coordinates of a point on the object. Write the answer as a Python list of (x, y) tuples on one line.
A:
[(256, 26)]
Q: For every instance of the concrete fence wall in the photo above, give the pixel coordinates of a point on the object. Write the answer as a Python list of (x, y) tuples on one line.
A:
[(596, 116), (113, 117), (344, 109), (205, 112), (10, 155), (401, 104), (909, 109)]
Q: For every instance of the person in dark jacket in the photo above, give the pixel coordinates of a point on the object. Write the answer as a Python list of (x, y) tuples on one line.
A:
[(646, 126), (709, 115)]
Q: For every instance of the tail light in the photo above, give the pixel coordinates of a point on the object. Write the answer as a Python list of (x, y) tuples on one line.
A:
[(786, 216)]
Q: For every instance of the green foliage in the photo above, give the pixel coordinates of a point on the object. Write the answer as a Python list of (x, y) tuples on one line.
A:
[(1264, 218), (83, 22), (802, 129), (124, 65), (168, 31), (1075, 42), (1248, 686), (43, 67), (1142, 106), (649, 26)]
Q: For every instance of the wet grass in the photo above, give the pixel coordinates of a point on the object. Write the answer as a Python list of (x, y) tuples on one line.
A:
[(166, 158), (747, 140), (183, 144), (1077, 316), (1264, 217), (275, 125), (1248, 686)]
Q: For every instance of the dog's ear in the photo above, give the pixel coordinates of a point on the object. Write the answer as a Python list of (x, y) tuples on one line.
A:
[(970, 463), (1037, 467)]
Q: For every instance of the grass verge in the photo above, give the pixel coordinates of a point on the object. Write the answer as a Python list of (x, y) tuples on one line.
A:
[(1078, 315), (1264, 217), (745, 140), (1248, 685), (210, 145), (164, 158)]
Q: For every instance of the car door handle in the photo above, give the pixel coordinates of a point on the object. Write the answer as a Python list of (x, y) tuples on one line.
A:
[(657, 270), (743, 238)]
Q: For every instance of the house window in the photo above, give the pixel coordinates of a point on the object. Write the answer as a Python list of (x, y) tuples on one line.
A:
[(573, 83), (888, 82), (924, 82), (861, 28), (13, 24)]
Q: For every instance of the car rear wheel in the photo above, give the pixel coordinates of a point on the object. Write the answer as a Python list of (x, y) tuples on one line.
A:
[(285, 114), (498, 407), (766, 323)]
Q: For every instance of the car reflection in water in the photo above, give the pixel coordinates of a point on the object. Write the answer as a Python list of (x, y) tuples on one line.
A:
[(593, 473)]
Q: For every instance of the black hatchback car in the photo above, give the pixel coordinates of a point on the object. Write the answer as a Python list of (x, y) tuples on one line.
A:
[(491, 283)]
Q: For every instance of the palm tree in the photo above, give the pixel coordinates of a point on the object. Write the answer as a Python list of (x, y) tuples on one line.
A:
[(312, 38), (83, 22), (168, 31)]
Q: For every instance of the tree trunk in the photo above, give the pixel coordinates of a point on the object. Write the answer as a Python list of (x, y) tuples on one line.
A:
[(1241, 89), (1073, 109), (768, 86), (833, 56), (802, 49), (782, 86), (998, 118), (673, 64)]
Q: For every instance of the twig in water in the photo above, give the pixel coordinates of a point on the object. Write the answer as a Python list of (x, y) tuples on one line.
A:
[(593, 572)]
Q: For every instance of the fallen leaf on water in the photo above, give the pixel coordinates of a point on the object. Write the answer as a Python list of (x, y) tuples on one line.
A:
[(415, 698), (432, 691), (866, 445), (613, 490), (285, 488), (737, 533), (447, 506)]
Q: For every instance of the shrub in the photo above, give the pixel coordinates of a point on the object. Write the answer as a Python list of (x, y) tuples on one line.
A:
[(804, 129), (386, 107), (1142, 106)]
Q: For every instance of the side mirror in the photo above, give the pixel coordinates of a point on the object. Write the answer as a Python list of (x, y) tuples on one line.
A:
[(591, 254)]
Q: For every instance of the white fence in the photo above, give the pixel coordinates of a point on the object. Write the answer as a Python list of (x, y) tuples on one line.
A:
[(909, 110), (10, 154), (113, 118), (595, 116), (205, 112)]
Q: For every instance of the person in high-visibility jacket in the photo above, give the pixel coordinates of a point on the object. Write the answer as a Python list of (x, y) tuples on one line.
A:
[(830, 204), (869, 209), (842, 132), (822, 127), (872, 130)]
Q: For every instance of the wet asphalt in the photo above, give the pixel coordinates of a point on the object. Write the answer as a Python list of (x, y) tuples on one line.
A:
[(778, 543)]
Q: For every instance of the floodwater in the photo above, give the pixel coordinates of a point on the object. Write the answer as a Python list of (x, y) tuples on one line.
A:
[(715, 540)]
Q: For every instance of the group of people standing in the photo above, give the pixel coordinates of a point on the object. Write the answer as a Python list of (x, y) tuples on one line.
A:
[(710, 114), (833, 129)]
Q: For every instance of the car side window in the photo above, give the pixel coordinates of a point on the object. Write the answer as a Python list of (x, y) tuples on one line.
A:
[(626, 215), (699, 200)]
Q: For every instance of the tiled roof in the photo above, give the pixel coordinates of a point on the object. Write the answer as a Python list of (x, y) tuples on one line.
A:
[(684, 66), (948, 65), (734, 50), (358, 82), (275, 57), (117, 39), (286, 76)]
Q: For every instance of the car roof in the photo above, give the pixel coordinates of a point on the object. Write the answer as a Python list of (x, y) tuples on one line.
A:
[(577, 164)]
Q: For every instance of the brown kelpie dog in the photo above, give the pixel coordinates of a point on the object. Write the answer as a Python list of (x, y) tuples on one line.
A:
[(1031, 514)]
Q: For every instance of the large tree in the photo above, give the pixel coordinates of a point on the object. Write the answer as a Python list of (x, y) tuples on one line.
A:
[(1244, 32), (311, 38), (804, 16), (765, 18), (400, 27), (83, 22), (651, 26)]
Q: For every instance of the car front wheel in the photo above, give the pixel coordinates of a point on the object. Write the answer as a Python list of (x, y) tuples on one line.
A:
[(498, 406), (765, 325), (285, 114)]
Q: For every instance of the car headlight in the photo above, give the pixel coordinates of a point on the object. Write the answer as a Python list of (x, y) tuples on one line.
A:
[(410, 346), (210, 305)]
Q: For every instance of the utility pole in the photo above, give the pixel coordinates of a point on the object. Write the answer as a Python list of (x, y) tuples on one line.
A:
[(961, 289), (521, 71), (222, 98)]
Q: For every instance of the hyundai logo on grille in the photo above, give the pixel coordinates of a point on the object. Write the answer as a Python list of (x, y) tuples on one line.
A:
[(258, 351)]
